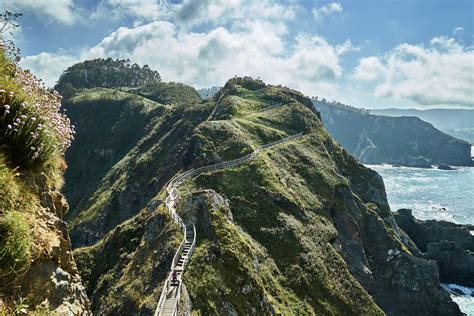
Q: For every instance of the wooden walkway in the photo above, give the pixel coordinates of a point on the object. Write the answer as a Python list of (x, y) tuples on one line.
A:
[(171, 293)]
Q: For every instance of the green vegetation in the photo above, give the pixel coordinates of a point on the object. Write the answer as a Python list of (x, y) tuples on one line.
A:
[(33, 136), (15, 242), (234, 277), (20, 307), (167, 92), (125, 271), (281, 204), (124, 141), (105, 73), (296, 236), (31, 127)]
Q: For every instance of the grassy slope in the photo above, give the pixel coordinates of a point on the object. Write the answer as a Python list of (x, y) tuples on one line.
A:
[(127, 147), (281, 200), (278, 253), (125, 271)]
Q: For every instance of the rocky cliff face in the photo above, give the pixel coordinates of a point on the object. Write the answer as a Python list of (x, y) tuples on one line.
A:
[(451, 245), (303, 228), (50, 281), (377, 139)]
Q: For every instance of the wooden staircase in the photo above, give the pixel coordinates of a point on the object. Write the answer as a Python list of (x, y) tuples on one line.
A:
[(171, 294)]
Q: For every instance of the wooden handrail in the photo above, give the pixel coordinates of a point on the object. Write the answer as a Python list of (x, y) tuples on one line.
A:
[(170, 201)]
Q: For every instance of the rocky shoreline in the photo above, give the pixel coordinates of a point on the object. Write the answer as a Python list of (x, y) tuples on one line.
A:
[(450, 245)]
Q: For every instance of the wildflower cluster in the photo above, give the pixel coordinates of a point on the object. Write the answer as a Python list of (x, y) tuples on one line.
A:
[(31, 124)]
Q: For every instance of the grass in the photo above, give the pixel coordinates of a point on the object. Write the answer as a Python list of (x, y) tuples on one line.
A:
[(125, 271), (129, 146), (21, 307), (168, 92), (281, 204), (33, 137), (15, 242), (275, 256), (231, 277)]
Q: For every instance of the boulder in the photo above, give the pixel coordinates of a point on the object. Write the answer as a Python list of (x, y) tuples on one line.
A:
[(443, 166), (416, 162)]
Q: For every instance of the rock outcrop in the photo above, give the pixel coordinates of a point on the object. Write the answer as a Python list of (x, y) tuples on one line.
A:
[(450, 244), (51, 280)]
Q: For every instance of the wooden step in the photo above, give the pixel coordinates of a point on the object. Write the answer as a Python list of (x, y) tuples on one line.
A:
[(168, 307)]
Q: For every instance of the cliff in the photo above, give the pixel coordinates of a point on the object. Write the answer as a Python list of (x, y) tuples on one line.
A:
[(38, 274), (450, 244), (302, 228), (375, 139)]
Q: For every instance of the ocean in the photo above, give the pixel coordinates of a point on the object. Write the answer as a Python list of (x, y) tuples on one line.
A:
[(434, 194)]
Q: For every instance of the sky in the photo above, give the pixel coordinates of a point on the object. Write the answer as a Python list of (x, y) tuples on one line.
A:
[(372, 54)]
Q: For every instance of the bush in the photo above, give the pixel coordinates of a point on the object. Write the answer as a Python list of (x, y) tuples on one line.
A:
[(31, 126)]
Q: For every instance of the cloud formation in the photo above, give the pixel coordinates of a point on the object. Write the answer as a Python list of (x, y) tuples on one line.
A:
[(441, 73), (48, 66), (208, 58), (60, 11), (254, 42), (330, 8)]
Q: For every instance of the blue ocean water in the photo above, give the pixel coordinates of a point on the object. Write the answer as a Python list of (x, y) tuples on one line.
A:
[(433, 194)]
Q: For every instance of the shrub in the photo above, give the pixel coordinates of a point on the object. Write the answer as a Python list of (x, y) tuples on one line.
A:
[(31, 125)]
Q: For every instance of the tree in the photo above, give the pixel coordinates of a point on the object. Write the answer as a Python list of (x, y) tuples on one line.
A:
[(106, 73)]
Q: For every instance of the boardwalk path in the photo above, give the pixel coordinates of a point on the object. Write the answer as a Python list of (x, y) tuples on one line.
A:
[(171, 294)]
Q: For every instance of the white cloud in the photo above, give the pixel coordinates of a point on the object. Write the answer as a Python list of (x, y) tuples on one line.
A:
[(146, 9), (440, 74), (458, 30), (330, 8), (235, 37), (60, 10), (203, 59), (198, 12), (209, 58), (369, 68), (48, 66)]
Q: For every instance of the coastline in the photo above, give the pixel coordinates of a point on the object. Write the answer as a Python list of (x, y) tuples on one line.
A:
[(429, 192)]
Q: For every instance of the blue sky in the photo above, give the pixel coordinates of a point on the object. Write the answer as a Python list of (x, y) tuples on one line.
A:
[(373, 54)]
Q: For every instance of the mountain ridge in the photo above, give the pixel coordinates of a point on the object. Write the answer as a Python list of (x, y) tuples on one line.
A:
[(376, 139), (288, 214)]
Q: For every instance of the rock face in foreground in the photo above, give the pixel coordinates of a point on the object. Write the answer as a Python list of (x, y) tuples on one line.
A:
[(451, 245), (408, 141), (51, 280)]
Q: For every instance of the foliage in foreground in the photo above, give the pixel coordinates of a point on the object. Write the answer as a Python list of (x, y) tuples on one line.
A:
[(32, 129)]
